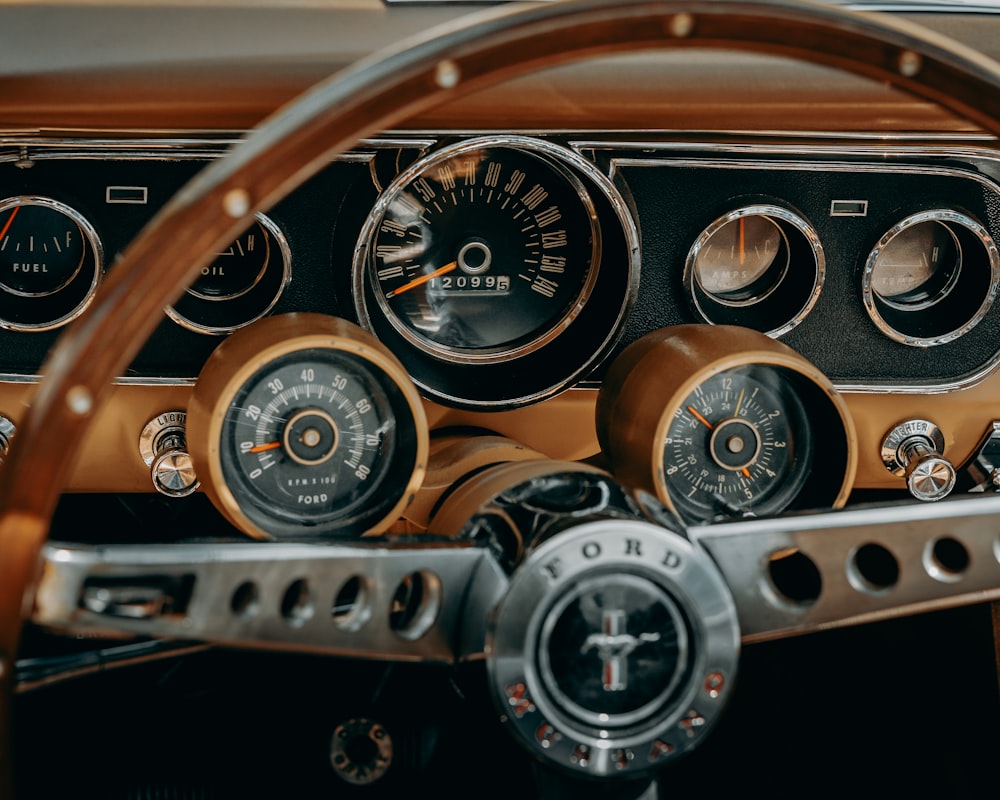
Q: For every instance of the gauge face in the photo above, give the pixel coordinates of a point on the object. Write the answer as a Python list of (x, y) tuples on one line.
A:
[(743, 260), (237, 269), (303, 426), (758, 266), (41, 249), (918, 266), (50, 263), (931, 278), (310, 440), (481, 254), (242, 284), (738, 444)]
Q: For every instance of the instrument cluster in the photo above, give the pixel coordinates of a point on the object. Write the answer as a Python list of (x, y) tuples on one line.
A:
[(719, 300)]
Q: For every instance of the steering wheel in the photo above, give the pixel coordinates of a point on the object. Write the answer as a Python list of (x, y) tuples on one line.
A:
[(376, 94)]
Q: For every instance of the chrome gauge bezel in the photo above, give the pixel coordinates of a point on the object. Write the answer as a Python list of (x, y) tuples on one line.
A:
[(221, 316), (565, 346), (959, 305), (70, 299), (780, 306)]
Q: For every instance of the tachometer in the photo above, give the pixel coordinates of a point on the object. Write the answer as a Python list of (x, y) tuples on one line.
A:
[(303, 426)]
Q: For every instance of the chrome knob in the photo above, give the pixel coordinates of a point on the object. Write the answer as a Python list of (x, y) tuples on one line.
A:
[(7, 431), (163, 446), (914, 450)]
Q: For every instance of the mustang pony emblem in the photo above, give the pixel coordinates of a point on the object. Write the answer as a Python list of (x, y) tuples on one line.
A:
[(614, 645)]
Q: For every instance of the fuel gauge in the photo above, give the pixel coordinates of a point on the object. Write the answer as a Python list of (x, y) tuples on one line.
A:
[(41, 248), (50, 263)]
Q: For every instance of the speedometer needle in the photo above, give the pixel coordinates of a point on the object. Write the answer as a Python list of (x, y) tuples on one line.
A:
[(422, 279)]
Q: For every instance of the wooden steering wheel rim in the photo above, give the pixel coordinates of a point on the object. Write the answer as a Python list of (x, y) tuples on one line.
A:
[(376, 94)]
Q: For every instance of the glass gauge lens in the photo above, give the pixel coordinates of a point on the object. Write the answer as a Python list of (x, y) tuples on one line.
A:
[(41, 249), (237, 269), (742, 260), (739, 444), (311, 444), (482, 254), (918, 266)]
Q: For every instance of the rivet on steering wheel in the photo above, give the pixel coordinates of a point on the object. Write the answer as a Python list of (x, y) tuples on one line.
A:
[(80, 401), (681, 25), (447, 75), (236, 203), (910, 63)]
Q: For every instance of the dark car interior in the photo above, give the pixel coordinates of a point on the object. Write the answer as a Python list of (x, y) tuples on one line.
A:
[(586, 398)]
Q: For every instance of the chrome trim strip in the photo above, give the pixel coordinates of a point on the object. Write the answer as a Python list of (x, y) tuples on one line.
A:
[(238, 593), (908, 532)]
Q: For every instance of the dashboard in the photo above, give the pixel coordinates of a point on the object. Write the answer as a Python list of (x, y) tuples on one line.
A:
[(877, 264), (703, 342)]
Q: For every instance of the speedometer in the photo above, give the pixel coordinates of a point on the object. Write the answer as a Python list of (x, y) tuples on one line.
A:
[(483, 253), (490, 252)]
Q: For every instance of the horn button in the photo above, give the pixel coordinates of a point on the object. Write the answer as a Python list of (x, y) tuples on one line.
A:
[(614, 649)]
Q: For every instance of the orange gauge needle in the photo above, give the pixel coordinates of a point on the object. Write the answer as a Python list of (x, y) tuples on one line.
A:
[(700, 418), (10, 219), (742, 239), (745, 472), (422, 279), (263, 447)]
